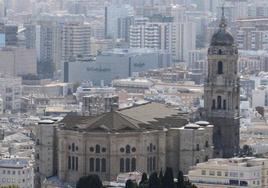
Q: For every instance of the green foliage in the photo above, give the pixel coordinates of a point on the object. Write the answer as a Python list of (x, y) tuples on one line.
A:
[(246, 151), (144, 183), (154, 181), (131, 184), (91, 181), (168, 180), (10, 186)]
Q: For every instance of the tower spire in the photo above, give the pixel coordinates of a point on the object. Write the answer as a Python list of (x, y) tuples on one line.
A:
[(223, 23)]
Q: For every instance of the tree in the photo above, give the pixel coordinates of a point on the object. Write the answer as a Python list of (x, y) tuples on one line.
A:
[(168, 180), (154, 181), (130, 184), (161, 177), (10, 186), (144, 183), (180, 183), (91, 181), (246, 151)]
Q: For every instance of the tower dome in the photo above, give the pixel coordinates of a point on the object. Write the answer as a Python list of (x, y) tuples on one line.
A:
[(222, 37)]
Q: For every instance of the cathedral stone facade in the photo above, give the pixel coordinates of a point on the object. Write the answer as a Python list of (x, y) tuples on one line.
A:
[(221, 92)]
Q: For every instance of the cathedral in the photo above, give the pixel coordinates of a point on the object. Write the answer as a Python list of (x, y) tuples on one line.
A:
[(221, 92)]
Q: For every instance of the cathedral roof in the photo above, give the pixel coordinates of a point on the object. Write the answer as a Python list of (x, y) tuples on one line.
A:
[(222, 37), (150, 116)]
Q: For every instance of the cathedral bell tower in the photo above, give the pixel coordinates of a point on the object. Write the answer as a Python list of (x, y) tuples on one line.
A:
[(221, 92)]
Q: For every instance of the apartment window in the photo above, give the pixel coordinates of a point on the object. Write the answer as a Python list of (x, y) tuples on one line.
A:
[(212, 173), (203, 172), (218, 173)]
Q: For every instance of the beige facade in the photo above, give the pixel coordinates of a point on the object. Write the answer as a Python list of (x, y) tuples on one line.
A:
[(222, 92), (145, 138), (231, 173), (18, 61)]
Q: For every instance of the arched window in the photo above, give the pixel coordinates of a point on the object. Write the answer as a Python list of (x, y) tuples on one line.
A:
[(133, 164), (103, 165), (224, 104), (220, 67), (207, 145), (151, 164), (97, 165), (76, 163), (73, 146), (127, 165), (148, 164), (122, 165), (73, 163), (69, 163), (219, 102), (213, 104), (197, 161), (154, 163), (151, 147), (97, 148), (197, 147), (127, 149), (220, 51), (91, 164)]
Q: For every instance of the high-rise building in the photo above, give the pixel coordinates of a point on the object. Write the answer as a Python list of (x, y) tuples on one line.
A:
[(117, 19), (151, 35), (75, 40), (222, 91)]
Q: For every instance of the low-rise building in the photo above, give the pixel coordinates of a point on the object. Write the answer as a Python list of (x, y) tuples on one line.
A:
[(99, 104), (234, 172), (16, 171)]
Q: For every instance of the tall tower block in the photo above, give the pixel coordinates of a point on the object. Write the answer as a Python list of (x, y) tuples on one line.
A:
[(221, 92)]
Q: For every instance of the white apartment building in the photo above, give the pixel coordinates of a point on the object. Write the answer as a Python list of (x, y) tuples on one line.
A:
[(151, 35), (16, 171), (234, 172), (260, 97), (176, 36), (75, 40)]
